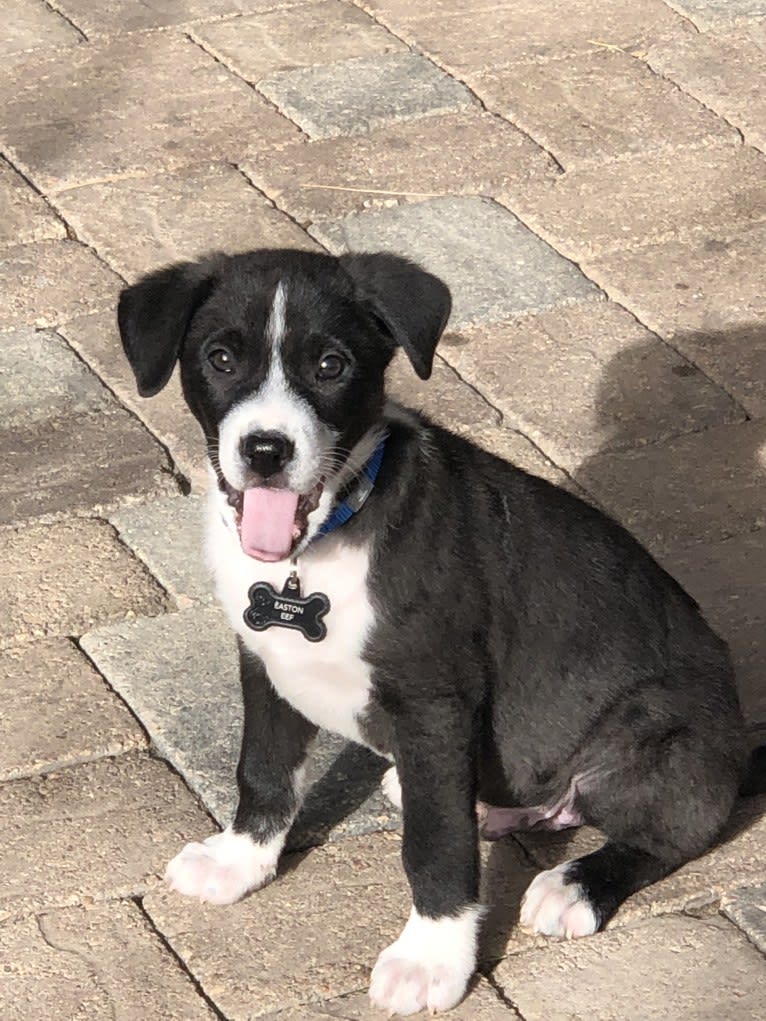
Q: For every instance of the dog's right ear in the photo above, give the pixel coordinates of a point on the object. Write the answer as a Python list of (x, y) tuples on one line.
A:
[(154, 315)]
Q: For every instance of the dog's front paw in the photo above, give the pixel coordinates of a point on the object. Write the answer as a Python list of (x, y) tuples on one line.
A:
[(429, 966), (223, 868)]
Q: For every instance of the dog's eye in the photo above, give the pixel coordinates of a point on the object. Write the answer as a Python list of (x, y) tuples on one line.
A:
[(221, 359), (331, 366)]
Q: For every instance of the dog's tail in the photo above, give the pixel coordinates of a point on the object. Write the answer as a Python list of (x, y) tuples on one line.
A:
[(755, 774)]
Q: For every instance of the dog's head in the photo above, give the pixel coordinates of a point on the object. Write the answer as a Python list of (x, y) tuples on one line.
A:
[(282, 357)]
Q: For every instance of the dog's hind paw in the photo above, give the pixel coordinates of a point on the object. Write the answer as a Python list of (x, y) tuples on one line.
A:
[(223, 868), (428, 967), (391, 787), (556, 906)]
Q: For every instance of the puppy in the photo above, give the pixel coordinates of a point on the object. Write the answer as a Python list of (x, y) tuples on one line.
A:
[(495, 638)]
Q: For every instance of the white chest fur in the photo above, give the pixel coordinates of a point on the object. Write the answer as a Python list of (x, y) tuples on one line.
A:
[(327, 681)]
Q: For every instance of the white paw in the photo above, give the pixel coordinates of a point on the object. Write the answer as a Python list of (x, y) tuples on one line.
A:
[(223, 868), (391, 787), (429, 966), (554, 907)]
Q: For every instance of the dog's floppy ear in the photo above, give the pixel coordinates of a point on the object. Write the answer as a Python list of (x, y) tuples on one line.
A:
[(154, 315), (412, 305)]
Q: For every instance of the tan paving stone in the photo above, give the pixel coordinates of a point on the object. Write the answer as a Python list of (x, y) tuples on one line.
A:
[(28, 24), (465, 35), (597, 106), (726, 71), (644, 199), (706, 486), (110, 17), (707, 14), (138, 224), (736, 861), (135, 103), (706, 297), (315, 933), (90, 832), (24, 215), (466, 153), (52, 281), (667, 968), (97, 340), (318, 33), (90, 964), (585, 379), (66, 578), (58, 711)]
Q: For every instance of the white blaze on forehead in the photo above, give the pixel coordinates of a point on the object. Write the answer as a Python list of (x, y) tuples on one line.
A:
[(275, 407)]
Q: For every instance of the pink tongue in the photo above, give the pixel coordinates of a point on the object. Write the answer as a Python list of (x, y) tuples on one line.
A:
[(268, 521)]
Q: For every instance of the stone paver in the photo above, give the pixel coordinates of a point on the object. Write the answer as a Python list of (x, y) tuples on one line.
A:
[(135, 103), (97, 340), (494, 265), (463, 35), (357, 95), (726, 72), (47, 283), (180, 676), (399, 163), (103, 829), (644, 199), (596, 107), (284, 40), (90, 964), (28, 24), (107, 17), (705, 486), (24, 215), (670, 967), (586, 379), (58, 711), (66, 578), (746, 907), (139, 224), (712, 13), (54, 404)]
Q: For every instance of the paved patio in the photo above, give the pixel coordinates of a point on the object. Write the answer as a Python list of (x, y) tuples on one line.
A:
[(590, 179)]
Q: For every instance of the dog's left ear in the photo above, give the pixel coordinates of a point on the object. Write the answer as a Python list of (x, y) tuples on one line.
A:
[(412, 305)]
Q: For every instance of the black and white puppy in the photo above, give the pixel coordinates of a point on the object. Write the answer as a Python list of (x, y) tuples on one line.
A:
[(499, 640)]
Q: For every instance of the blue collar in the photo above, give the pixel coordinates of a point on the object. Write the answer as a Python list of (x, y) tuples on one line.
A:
[(356, 499)]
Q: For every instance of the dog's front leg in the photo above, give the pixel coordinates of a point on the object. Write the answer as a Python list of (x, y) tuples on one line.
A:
[(226, 866), (433, 959)]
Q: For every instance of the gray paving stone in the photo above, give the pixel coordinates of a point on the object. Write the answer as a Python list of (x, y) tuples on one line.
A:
[(708, 14), (726, 71), (28, 24), (586, 379), (52, 281), (68, 577), (707, 486), (598, 106), (97, 341), (90, 964), (357, 95), (58, 711), (495, 267), (317, 33), (463, 35), (24, 215), (139, 102), (179, 675), (138, 224), (109, 17), (644, 199), (465, 153), (670, 967), (746, 907)]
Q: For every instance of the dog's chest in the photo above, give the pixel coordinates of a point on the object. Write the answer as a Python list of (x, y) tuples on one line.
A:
[(327, 681)]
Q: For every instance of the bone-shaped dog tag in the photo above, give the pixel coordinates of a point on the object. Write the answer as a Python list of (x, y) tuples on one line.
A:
[(290, 609)]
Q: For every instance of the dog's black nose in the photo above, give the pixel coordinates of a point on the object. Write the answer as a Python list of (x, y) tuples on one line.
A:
[(267, 453)]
